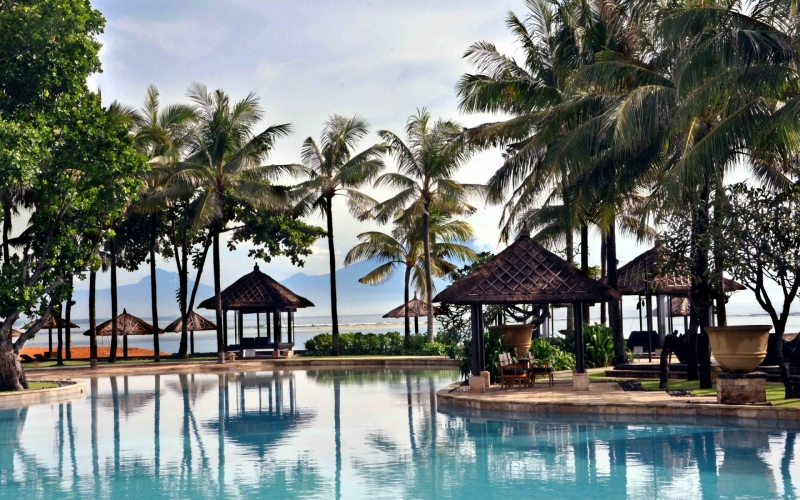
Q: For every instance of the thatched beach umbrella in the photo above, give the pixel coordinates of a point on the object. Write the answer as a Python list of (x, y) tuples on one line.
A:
[(194, 322), (54, 322), (15, 332), (416, 308), (127, 324)]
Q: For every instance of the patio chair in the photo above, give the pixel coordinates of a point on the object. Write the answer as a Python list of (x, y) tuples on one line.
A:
[(542, 368), (40, 357), (27, 359), (511, 372)]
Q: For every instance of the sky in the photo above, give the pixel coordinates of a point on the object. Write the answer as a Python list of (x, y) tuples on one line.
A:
[(307, 60)]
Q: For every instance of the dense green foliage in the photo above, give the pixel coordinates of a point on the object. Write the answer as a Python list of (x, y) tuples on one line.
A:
[(544, 350), (377, 344)]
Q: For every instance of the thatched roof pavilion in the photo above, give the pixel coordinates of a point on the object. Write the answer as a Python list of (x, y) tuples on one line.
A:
[(644, 272), (127, 324), (53, 323), (15, 332), (257, 293), (416, 309), (194, 322), (525, 273)]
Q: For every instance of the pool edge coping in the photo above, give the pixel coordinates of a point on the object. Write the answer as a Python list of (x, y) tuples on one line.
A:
[(678, 408)]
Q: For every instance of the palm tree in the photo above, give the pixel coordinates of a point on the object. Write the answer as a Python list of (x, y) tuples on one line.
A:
[(225, 161), (432, 153), (404, 248), (333, 170), (162, 134)]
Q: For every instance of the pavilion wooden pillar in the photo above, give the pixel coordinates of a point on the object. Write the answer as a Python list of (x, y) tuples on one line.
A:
[(241, 326), (649, 306), (276, 317), (478, 344), (580, 345), (225, 328), (289, 327)]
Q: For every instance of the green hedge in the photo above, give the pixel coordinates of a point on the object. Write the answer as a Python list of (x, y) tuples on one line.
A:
[(387, 344)]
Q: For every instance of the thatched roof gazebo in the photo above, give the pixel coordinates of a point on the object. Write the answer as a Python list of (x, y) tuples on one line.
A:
[(194, 322), (645, 276), (416, 309), (525, 273), (127, 324), (257, 293), (15, 332)]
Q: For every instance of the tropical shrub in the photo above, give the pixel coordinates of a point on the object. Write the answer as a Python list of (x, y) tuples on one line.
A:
[(544, 350), (599, 350), (387, 344)]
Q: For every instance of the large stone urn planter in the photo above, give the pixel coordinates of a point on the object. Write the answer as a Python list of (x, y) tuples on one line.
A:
[(739, 349), (516, 336)]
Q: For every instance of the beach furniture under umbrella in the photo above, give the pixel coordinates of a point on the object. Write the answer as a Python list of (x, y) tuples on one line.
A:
[(194, 322), (127, 324), (416, 308)]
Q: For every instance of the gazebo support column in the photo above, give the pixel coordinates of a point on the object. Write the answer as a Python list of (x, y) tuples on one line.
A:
[(478, 344), (580, 379)]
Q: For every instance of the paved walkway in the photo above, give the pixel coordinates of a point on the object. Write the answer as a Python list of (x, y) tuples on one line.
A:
[(603, 398)]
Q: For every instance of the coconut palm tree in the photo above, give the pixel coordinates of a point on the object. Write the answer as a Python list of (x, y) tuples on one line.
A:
[(162, 133), (333, 169), (427, 161), (404, 248), (225, 161)]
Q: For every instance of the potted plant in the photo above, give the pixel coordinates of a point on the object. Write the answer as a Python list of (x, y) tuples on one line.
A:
[(516, 336), (739, 349)]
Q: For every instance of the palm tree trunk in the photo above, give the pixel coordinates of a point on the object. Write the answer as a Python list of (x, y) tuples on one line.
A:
[(406, 298), (68, 335), (92, 320), (6, 232), (722, 313), (426, 224), (60, 330), (701, 290), (154, 287), (200, 268), (112, 355), (614, 307), (585, 265), (603, 274), (184, 290), (332, 263), (570, 244), (218, 299)]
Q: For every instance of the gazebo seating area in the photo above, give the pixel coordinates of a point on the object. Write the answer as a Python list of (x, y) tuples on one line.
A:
[(257, 293)]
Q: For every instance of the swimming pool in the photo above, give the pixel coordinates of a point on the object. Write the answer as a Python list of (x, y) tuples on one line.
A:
[(365, 434)]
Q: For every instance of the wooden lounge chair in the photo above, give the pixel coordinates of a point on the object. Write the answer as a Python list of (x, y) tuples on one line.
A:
[(511, 372), (40, 357), (27, 359)]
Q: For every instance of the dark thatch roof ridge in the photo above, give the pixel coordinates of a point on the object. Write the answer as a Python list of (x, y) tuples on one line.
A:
[(127, 324), (194, 322), (526, 272), (416, 309), (635, 275), (257, 291)]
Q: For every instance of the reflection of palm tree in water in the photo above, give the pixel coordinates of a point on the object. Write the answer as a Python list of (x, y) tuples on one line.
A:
[(337, 434), (786, 461), (95, 457)]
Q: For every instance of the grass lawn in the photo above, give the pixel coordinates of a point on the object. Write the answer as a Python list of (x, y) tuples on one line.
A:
[(775, 390), (33, 386)]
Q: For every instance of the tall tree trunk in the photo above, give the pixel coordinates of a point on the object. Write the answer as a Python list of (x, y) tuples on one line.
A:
[(603, 274), (218, 299), (585, 266), (183, 277), (6, 232), (570, 240), (722, 313), (200, 268), (426, 227), (68, 335), (12, 376), (406, 298), (614, 307), (92, 320), (701, 290), (112, 355), (60, 330), (783, 363), (332, 265), (154, 287)]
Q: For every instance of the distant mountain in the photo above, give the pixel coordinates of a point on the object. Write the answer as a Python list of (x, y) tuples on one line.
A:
[(136, 298), (354, 297)]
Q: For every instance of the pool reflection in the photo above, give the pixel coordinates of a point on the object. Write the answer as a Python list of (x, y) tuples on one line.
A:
[(355, 433)]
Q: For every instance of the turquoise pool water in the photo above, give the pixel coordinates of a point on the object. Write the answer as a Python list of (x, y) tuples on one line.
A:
[(365, 434)]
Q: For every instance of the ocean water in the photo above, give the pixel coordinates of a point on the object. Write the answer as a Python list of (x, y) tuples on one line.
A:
[(352, 434)]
